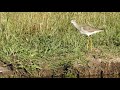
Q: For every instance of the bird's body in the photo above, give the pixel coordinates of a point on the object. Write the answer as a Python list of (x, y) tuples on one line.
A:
[(86, 30)]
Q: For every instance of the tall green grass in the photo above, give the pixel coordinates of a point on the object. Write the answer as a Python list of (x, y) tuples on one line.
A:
[(32, 39)]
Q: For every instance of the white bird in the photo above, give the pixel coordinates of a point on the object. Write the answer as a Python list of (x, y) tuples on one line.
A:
[(86, 30)]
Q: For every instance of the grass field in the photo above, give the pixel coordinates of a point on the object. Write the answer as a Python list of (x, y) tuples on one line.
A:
[(48, 40)]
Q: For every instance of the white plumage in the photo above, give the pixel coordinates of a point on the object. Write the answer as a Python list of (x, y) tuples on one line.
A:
[(87, 30)]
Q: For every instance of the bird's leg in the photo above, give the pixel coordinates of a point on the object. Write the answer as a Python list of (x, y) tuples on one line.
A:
[(87, 43), (90, 43)]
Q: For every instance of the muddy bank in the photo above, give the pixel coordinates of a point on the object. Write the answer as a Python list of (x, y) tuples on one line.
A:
[(93, 69)]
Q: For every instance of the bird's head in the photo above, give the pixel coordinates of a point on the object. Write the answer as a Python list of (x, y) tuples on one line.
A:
[(73, 21)]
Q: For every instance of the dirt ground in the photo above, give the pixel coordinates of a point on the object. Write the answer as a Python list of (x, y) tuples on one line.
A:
[(94, 69)]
